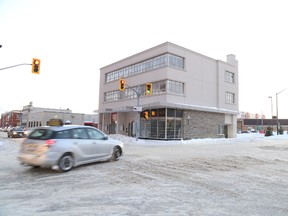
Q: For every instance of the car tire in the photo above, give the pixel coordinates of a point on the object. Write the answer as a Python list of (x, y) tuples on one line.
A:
[(66, 163), (115, 154), (36, 167)]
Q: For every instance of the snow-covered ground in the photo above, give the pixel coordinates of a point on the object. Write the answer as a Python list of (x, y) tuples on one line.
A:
[(243, 138), (246, 175)]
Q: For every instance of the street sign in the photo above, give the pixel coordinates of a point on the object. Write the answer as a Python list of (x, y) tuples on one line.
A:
[(137, 109)]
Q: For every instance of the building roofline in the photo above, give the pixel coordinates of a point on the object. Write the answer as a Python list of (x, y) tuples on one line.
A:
[(161, 45)]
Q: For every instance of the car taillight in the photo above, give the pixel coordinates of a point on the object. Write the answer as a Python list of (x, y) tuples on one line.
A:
[(50, 142)]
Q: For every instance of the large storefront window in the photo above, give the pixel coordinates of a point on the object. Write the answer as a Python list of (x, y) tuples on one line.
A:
[(161, 124)]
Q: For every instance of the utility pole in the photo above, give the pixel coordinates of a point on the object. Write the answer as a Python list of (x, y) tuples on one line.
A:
[(277, 109), (271, 111)]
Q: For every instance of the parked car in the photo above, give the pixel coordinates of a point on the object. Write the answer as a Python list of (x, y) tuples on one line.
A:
[(16, 132), (68, 146)]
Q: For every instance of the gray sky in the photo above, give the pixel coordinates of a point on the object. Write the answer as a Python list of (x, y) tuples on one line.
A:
[(74, 39)]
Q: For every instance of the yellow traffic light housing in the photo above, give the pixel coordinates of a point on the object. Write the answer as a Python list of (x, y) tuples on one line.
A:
[(121, 84), (148, 88), (36, 66)]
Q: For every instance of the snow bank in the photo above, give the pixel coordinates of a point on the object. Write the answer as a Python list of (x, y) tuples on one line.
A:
[(243, 138)]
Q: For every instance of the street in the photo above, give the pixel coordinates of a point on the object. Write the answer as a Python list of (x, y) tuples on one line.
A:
[(231, 177)]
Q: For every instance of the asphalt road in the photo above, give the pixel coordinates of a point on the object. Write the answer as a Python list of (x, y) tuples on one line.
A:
[(205, 179)]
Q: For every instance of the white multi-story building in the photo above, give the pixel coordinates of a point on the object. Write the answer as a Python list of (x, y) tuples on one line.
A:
[(193, 96)]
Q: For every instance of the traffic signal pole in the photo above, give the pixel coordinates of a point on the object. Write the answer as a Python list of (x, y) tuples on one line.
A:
[(138, 93), (147, 89), (14, 66)]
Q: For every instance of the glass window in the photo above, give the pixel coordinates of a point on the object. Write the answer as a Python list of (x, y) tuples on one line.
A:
[(147, 65), (79, 133), (175, 87), (153, 131), (160, 126), (220, 129), (63, 134), (230, 98), (41, 134), (154, 113), (179, 113), (171, 112), (170, 128), (229, 77), (162, 87), (162, 112), (95, 134), (178, 124)]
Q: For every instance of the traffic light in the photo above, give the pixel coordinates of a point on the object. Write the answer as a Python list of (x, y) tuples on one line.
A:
[(36, 66), (121, 84), (146, 115), (148, 88)]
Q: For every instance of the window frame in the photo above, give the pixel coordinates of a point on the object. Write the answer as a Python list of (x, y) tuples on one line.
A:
[(229, 77), (230, 98)]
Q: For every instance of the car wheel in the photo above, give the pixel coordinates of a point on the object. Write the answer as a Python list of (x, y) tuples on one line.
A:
[(116, 154), (66, 163), (35, 167)]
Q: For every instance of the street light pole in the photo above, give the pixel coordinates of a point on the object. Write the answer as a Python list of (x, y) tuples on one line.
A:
[(277, 109), (271, 111)]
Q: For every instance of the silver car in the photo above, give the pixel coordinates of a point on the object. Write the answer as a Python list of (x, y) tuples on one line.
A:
[(68, 146)]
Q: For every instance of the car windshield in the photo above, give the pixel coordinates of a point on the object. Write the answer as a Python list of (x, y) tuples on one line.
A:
[(41, 134), (18, 129)]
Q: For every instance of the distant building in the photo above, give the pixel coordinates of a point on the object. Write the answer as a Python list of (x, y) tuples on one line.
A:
[(10, 119), (193, 96), (248, 115), (36, 116), (261, 124), (30, 117)]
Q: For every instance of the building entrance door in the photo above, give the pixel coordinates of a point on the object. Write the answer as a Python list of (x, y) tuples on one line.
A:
[(226, 131), (132, 129)]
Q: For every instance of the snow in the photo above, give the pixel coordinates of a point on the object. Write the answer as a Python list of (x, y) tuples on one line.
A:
[(243, 138), (246, 175)]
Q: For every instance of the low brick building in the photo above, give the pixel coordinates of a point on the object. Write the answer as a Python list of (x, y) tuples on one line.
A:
[(261, 124), (11, 119)]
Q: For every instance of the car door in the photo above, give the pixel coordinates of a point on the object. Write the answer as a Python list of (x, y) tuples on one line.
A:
[(81, 144), (100, 146)]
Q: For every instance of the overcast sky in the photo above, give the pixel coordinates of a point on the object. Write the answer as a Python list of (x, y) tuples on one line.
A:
[(74, 39)]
